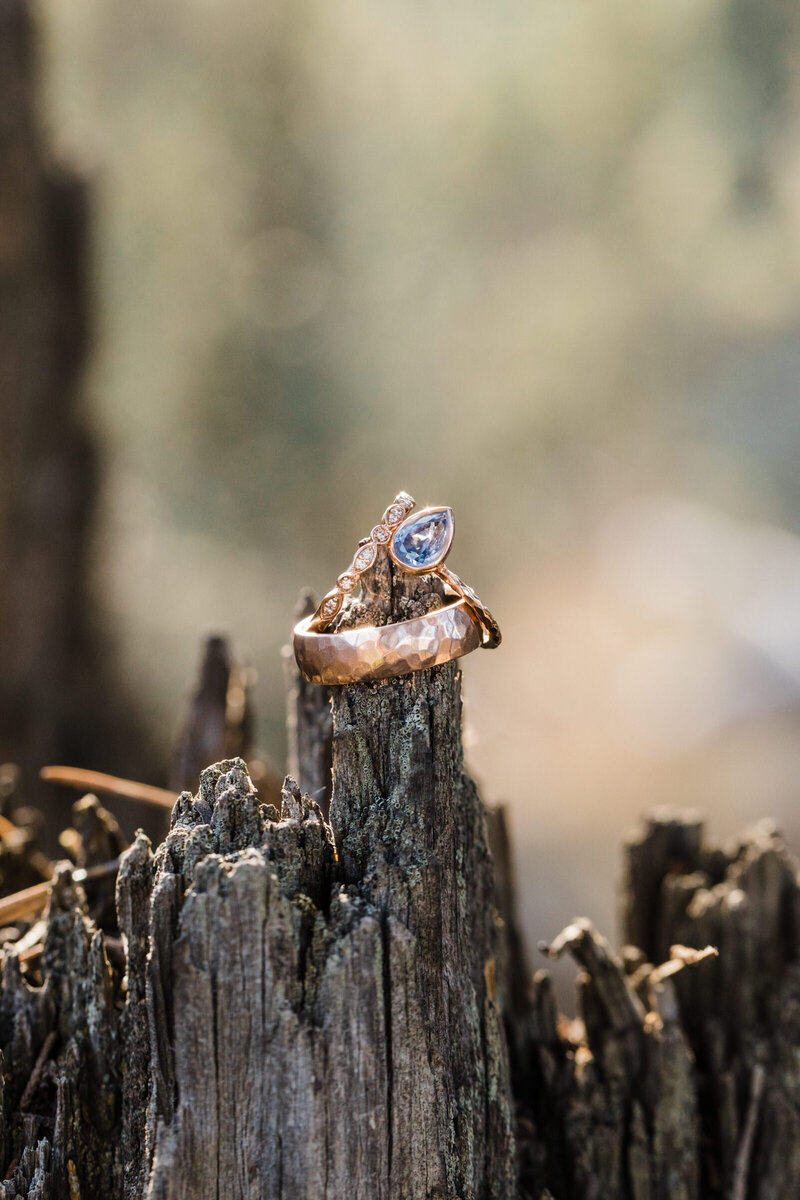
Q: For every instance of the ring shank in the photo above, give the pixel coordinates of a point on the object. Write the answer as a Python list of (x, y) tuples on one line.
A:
[(376, 652)]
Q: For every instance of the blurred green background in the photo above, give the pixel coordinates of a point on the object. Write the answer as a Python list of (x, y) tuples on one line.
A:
[(539, 261)]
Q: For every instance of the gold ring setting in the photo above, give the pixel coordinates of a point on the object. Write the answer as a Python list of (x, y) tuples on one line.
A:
[(418, 543)]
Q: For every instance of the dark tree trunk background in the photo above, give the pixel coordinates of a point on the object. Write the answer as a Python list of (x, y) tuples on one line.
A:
[(59, 699)]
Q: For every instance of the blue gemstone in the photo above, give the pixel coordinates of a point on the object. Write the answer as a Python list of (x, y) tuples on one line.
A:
[(422, 542)]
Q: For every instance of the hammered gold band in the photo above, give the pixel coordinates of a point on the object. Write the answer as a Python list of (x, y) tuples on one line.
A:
[(374, 652)]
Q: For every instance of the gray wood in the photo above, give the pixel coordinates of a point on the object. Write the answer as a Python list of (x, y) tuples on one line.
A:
[(679, 1079), (307, 1008), (411, 834), (309, 724), (357, 1021), (303, 1012)]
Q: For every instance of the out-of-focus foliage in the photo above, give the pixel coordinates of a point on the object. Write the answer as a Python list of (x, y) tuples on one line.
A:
[(537, 260)]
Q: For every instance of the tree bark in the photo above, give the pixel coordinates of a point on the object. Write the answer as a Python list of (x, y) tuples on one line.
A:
[(678, 1080), (301, 1008), (309, 724), (360, 1053)]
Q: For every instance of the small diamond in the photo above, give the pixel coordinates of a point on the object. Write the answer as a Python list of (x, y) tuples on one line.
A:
[(365, 557), (347, 582), (395, 514), (330, 606), (381, 534), (422, 542)]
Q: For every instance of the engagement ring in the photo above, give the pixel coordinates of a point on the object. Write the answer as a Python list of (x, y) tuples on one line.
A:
[(417, 543)]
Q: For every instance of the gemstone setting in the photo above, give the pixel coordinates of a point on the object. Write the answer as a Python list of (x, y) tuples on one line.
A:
[(331, 606), (423, 541), (365, 557), (394, 514)]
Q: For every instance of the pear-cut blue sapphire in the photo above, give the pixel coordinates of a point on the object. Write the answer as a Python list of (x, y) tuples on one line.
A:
[(422, 542)]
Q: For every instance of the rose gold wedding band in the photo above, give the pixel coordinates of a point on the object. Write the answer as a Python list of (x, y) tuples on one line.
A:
[(375, 652)]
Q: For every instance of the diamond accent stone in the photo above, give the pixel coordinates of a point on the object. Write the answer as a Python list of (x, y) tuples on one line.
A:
[(331, 606), (347, 582), (381, 534), (422, 542), (395, 514), (365, 557)]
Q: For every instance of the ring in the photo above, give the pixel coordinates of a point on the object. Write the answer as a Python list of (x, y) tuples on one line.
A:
[(417, 544), (374, 652)]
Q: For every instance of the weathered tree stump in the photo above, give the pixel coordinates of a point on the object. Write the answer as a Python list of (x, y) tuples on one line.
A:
[(309, 725), (677, 1080), (301, 1008), (362, 1050), (305, 1008)]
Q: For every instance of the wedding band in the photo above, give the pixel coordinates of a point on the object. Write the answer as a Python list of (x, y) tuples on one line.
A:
[(417, 544), (375, 652)]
